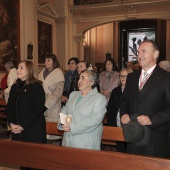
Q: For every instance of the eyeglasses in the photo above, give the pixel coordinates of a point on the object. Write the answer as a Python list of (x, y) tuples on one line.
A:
[(123, 76)]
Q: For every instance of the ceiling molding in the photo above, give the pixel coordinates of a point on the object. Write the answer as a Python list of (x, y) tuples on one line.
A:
[(144, 9), (48, 9), (79, 37), (116, 4)]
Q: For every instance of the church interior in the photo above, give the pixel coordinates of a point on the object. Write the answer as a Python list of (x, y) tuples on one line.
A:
[(90, 30)]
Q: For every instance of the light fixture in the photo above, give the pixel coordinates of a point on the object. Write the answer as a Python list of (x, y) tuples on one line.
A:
[(84, 43)]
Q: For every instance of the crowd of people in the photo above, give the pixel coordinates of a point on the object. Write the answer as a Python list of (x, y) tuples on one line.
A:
[(135, 98)]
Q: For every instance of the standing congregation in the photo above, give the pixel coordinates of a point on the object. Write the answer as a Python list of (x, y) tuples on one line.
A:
[(137, 100)]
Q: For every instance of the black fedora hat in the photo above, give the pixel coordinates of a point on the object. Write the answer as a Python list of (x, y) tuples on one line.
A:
[(136, 133)]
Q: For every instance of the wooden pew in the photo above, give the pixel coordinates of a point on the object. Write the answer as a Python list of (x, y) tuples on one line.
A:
[(51, 129), (110, 136), (44, 156), (2, 102), (52, 157), (3, 120), (109, 133), (112, 133)]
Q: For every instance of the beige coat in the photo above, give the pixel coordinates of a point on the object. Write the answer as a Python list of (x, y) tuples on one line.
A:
[(12, 77), (53, 86)]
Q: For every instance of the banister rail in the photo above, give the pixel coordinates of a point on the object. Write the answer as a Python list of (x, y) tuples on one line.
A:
[(88, 2)]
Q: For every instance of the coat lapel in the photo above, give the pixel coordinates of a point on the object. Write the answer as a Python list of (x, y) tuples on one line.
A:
[(86, 98), (153, 79), (136, 82), (73, 102)]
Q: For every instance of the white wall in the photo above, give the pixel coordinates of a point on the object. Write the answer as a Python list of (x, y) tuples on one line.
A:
[(108, 39), (100, 41), (28, 29)]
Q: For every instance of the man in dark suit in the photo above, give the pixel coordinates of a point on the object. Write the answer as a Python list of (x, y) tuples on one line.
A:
[(150, 98)]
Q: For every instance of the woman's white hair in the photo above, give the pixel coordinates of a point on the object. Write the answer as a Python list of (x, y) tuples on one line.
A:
[(93, 77), (165, 65), (9, 65)]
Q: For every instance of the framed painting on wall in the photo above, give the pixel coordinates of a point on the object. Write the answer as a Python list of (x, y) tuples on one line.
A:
[(44, 40), (135, 37), (9, 31)]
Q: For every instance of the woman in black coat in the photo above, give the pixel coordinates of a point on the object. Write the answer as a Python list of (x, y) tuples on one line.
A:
[(25, 106), (113, 117)]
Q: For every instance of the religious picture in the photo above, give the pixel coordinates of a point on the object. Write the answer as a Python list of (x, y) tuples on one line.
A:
[(135, 39), (9, 31), (44, 40)]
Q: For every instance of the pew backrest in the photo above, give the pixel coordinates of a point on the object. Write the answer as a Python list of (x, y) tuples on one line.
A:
[(51, 129), (3, 116), (2, 102), (44, 156), (109, 133)]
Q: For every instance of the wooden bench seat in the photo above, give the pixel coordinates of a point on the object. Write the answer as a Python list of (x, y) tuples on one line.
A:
[(2, 116), (109, 133), (2, 102), (52, 157), (3, 120)]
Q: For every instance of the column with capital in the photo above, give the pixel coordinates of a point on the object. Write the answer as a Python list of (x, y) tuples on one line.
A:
[(79, 38)]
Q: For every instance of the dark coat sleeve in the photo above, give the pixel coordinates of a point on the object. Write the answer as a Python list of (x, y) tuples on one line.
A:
[(124, 103), (10, 108), (130, 94), (113, 106)]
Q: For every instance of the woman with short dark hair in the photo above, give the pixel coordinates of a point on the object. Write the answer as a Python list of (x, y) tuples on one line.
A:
[(109, 78), (82, 65), (69, 76)]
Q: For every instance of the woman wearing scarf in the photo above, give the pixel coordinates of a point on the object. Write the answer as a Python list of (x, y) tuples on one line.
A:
[(53, 84), (109, 78)]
